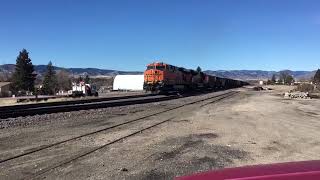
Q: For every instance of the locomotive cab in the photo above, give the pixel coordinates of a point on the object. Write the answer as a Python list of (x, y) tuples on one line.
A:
[(161, 77), (154, 77)]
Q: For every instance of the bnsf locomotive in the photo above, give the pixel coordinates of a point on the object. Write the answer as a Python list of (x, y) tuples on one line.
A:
[(162, 77)]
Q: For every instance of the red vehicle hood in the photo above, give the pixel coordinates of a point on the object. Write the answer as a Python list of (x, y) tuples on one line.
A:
[(306, 170)]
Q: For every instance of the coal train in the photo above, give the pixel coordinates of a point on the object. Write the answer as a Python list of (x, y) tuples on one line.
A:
[(162, 77)]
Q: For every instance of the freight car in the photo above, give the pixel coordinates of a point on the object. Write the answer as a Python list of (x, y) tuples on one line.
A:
[(162, 77)]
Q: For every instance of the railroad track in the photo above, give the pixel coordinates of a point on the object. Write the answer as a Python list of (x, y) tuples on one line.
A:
[(73, 158), (84, 104), (69, 102), (66, 106)]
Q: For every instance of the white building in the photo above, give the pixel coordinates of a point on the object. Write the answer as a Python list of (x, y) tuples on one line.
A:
[(128, 83), (261, 82)]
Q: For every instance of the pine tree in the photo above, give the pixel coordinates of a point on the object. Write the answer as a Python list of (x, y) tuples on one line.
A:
[(23, 77), (87, 79), (199, 69), (50, 81), (316, 78)]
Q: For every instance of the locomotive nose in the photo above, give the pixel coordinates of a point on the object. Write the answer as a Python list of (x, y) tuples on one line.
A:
[(152, 76)]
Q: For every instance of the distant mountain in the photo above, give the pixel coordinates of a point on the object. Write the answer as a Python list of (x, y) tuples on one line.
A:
[(234, 74), (41, 69), (7, 68), (259, 75)]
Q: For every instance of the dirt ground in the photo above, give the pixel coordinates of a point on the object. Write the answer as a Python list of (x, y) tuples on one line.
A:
[(251, 127)]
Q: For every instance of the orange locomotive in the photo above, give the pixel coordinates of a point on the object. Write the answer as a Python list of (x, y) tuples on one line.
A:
[(162, 77)]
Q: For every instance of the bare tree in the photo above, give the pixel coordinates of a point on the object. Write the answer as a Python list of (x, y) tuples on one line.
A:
[(2, 77), (64, 80), (285, 77), (273, 79)]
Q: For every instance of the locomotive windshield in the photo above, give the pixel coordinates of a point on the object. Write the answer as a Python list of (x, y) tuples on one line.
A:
[(156, 67), (150, 67), (160, 67)]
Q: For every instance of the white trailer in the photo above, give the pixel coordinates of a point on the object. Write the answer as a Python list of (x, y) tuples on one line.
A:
[(83, 89), (128, 83)]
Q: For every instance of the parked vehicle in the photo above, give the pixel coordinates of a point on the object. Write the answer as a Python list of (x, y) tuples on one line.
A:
[(82, 89)]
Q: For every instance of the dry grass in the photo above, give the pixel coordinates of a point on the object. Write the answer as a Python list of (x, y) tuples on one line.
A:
[(13, 101), (305, 88)]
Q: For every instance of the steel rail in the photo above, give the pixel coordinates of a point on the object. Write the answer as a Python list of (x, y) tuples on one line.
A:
[(68, 102), (75, 107)]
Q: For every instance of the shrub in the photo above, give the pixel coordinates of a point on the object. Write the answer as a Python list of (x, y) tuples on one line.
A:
[(305, 87)]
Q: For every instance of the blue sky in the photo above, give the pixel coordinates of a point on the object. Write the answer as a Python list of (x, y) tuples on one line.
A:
[(126, 35)]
